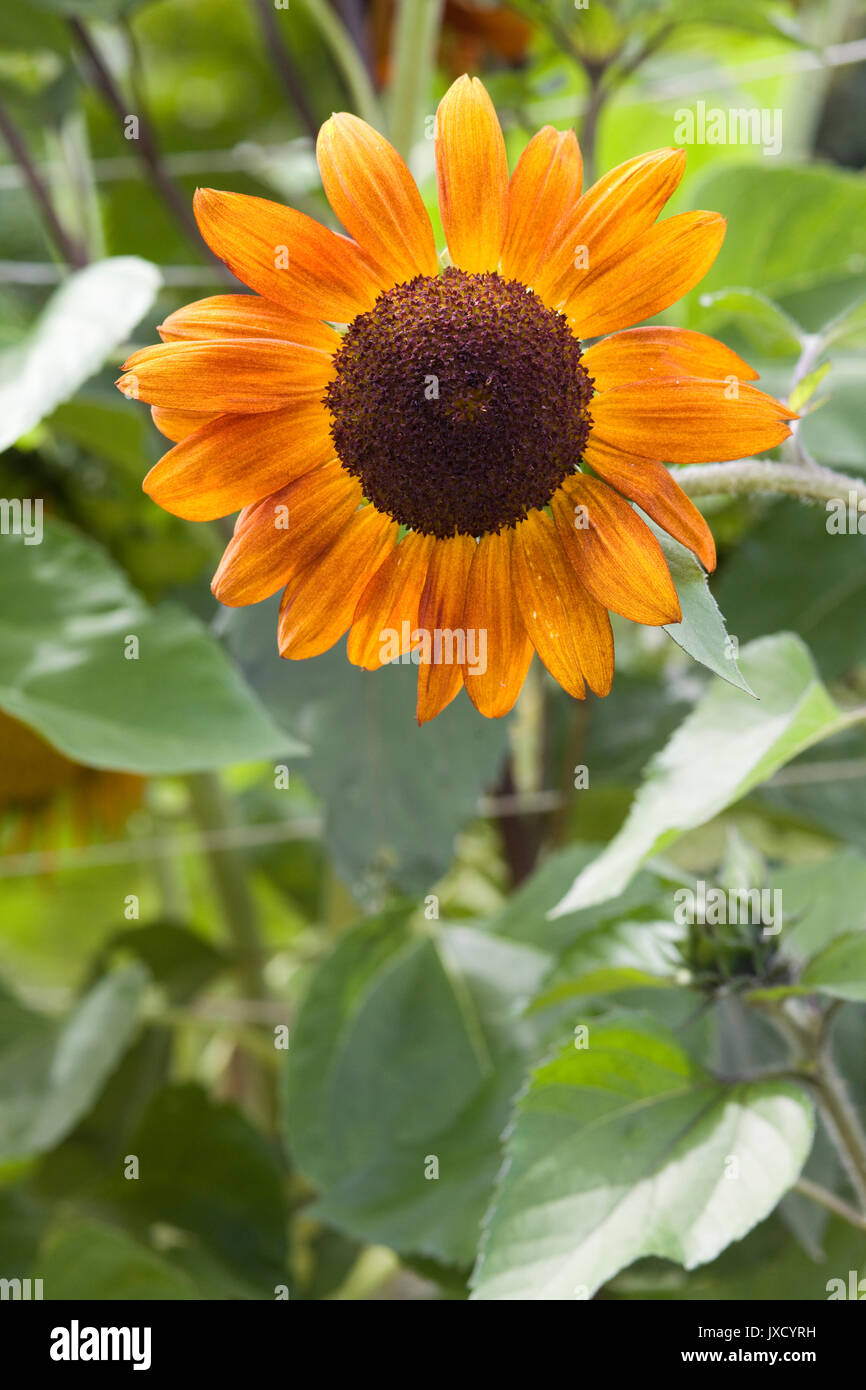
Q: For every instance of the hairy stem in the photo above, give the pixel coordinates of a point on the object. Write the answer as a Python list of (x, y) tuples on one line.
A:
[(823, 1198), (753, 476), (416, 33)]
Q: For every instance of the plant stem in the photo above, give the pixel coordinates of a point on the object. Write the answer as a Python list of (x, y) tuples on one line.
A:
[(416, 34), (284, 66), (146, 145), (229, 878), (842, 1122), (830, 1202), (70, 250), (348, 59), (751, 476)]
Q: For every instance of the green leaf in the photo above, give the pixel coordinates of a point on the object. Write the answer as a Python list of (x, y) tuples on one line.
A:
[(807, 386), (88, 317), (766, 587), (408, 1048), (51, 1071), (702, 632), (760, 319), (840, 969), (726, 746), (822, 901), (618, 956), (181, 706), (396, 795), (625, 1150), (789, 230), (205, 1169), (88, 1260)]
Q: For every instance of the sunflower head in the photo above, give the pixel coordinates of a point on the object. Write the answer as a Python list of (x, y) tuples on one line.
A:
[(421, 456)]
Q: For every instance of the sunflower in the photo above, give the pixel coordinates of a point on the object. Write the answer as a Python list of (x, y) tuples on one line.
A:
[(454, 471), (37, 783), (470, 33)]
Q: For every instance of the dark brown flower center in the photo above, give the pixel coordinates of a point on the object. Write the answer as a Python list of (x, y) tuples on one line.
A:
[(460, 403)]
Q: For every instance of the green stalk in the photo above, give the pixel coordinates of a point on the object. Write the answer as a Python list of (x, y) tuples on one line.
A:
[(348, 59), (416, 35)]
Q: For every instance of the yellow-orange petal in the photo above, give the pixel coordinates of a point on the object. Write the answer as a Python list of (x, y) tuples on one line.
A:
[(177, 424), (278, 536), (689, 420), (621, 205), (236, 460), (472, 173), (387, 612), (443, 598), (615, 555), (651, 273), (544, 588), (319, 602), (641, 354), (245, 377), (491, 608), (648, 483), (544, 189), (287, 256), (245, 316), (376, 198)]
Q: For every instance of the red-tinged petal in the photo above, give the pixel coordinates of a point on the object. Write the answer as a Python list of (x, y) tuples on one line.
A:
[(620, 207), (446, 643), (491, 608), (614, 554), (277, 537), (472, 172), (375, 197), (544, 189), (236, 460), (545, 593), (287, 256), (641, 354), (245, 316), (319, 602), (652, 272), (689, 420), (650, 485), (387, 611), (177, 424), (226, 376)]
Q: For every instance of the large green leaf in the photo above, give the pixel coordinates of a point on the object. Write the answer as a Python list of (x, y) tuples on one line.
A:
[(396, 795), (180, 706), (52, 1070), (790, 230), (626, 1149), (89, 316), (409, 1047), (767, 587), (840, 969), (726, 746)]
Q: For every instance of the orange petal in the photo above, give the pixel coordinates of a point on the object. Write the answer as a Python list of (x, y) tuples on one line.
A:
[(544, 189), (239, 459), (177, 424), (640, 354), (650, 274), (441, 612), (375, 197), (491, 608), (622, 205), (649, 483), (319, 602), (287, 256), (472, 172), (387, 611), (615, 555), (689, 420), (245, 316), (257, 374), (549, 601), (276, 537)]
